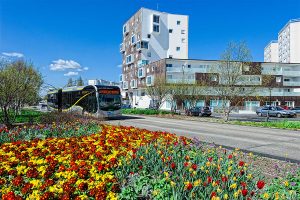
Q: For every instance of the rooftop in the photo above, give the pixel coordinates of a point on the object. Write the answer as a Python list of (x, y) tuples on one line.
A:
[(289, 22)]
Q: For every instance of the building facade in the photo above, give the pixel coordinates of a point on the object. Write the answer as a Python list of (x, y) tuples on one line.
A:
[(271, 52), (288, 44), (149, 36), (282, 86)]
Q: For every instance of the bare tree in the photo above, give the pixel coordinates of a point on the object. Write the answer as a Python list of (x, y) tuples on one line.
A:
[(233, 85), (19, 85), (158, 92)]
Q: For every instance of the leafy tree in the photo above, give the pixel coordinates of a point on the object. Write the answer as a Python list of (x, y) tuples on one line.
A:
[(158, 92), (233, 86), (79, 81), (20, 84), (70, 82)]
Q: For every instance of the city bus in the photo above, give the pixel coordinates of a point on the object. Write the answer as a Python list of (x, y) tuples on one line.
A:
[(97, 100)]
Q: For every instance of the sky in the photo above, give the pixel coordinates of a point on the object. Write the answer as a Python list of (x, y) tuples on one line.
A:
[(72, 38)]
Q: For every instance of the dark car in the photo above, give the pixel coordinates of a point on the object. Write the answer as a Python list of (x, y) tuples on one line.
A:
[(205, 111), (296, 109), (275, 111), (199, 111), (126, 106)]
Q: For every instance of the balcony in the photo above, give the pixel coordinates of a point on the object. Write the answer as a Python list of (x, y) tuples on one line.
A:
[(291, 83), (122, 48)]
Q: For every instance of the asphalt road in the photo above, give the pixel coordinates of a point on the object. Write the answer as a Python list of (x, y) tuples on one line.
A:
[(274, 143)]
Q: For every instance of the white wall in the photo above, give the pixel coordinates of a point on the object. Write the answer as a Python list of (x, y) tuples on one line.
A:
[(163, 44), (175, 38), (295, 42), (271, 52)]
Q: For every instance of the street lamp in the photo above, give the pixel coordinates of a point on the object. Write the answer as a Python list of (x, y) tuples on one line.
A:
[(268, 116)]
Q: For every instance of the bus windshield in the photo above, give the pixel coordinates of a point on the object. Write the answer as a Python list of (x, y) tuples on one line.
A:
[(110, 102)]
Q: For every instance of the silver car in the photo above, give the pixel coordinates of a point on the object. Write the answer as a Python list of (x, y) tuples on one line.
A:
[(275, 111), (296, 110)]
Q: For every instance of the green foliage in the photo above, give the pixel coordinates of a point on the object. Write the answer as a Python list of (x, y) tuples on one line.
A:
[(285, 188), (27, 116), (20, 84), (181, 171), (61, 130), (137, 111), (276, 124)]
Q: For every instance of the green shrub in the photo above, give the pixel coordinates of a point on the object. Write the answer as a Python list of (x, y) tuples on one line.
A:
[(276, 124), (137, 111)]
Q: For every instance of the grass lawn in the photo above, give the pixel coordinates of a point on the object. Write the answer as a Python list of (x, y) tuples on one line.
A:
[(28, 115), (295, 125)]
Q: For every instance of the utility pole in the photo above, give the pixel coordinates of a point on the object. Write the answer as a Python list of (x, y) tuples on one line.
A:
[(268, 115)]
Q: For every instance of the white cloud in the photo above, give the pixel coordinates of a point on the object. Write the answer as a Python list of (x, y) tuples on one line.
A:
[(61, 65), (71, 74), (85, 68), (13, 54), (119, 65)]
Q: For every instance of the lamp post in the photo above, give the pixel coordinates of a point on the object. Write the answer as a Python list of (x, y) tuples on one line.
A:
[(268, 116)]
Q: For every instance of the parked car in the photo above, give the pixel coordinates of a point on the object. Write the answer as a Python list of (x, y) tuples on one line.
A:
[(126, 106), (199, 111), (296, 109), (275, 111), (205, 111)]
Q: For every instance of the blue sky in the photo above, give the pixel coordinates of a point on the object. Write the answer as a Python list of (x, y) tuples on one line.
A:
[(85, 34)]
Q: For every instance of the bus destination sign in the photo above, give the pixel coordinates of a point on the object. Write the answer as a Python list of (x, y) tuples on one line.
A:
[(109, 91)]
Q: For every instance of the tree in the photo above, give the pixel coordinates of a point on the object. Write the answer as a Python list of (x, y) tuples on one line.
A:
[(233, 85), (158, 92), (79, 81), (20, 84), (70, 82)]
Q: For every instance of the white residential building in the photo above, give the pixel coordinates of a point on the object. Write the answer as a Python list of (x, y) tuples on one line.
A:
[(288, 46), (149, 36), (289, 42), (271, 52)]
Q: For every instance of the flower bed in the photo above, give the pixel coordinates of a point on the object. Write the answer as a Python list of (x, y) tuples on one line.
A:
[(129, 163)]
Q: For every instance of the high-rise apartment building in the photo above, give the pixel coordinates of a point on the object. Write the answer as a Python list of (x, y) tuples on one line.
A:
[(149, 36), (288, 44), (271, 52)]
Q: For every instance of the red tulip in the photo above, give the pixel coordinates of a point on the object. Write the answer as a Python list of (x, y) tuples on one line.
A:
[(260, 184), (244, 192), (241, 163), (230, 156), (173, 165)]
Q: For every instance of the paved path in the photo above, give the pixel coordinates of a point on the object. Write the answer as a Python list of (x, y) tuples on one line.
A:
[(275, 143)]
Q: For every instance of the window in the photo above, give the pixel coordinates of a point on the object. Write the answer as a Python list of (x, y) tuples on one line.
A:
[(182, 31), (177, 48), (178, 22), (183, 40), (149, 36), (125, 29), (169, 65), (189, 66), (246, 68), (129, 59), (155, 28), (286, 79), (149, 80), (149, 53), (141, 72), (144, 44), (133, 39), (278, 79), (170, 30), (169, 76), (170, 56), (156, 19), (213, 78)]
